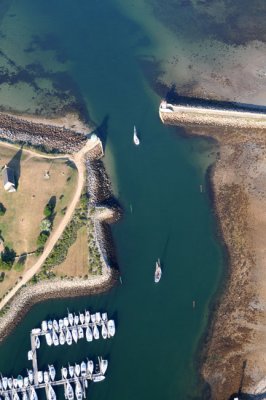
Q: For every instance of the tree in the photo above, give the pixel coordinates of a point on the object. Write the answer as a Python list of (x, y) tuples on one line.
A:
[(42, 239), (8, 255), (45, 225), (48, 210)]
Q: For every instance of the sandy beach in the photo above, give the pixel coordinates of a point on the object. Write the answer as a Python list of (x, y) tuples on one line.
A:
[(234, 358)]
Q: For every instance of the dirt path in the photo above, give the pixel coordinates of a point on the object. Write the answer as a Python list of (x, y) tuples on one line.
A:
[(78, 160)]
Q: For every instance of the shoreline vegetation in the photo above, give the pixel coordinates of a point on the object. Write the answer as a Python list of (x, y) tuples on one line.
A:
[(233, 360), (93, 192)]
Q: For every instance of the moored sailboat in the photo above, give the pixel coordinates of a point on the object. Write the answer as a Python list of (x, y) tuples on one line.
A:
[(77, 369), (96, 332), (87, 316), (51, 393), (69, 392), (55, 325), (89, 336), (55, 338), (90, 366), (46, 377), (75, 334), (24, 395), (15, 396), (98, 378), (71, 370), (111, 327), (81, 318), (37, 342), (103, 366), (62, 338), (30, 375), (33, 395), (78, 390), (64, 372), (104, 330), (80, 332), (52, 372), (68, 337), (48, 338), (83, 369)]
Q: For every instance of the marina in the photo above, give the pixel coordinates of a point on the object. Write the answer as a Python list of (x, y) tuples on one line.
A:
[(68, 328), (72, 328)]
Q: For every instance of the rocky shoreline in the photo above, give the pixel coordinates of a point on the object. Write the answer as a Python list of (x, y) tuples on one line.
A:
[(50, 138), (233, 360), (101, 199)]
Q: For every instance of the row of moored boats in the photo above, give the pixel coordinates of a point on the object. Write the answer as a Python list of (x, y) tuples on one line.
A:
[(10, 387), (75, 327)]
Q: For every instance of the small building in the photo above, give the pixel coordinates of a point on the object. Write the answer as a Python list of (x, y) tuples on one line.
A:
[(9, 179)]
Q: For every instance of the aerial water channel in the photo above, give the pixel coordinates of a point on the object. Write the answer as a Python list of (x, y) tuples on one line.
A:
[(153, 355)]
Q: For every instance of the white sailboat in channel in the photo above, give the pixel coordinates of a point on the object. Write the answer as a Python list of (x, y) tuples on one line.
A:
[(158, 271), (135, 137)]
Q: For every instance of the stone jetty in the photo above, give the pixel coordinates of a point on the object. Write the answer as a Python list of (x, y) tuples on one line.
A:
[(100, 200), (186, 115), (46, 137)]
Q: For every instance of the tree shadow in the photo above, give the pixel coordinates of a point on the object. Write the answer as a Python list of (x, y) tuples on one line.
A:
[(22, 259), (52, 202), (14, 164)]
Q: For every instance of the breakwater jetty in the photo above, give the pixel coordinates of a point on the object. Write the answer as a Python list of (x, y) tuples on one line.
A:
[(102, 210), (50, 138), (187, 115)]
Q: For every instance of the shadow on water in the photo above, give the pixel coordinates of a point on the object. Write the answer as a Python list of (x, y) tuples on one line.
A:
[(102, 130), (14, 164), (164, 252), (172, 96)]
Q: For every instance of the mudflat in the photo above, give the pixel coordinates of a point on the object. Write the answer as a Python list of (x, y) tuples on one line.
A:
[(234, 358)]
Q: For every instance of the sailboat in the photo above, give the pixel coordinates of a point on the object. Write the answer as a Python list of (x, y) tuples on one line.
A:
[(51, 393), (51, 372), (135, 137), (78, 390), (69, 393), (89, 336), (158, 271)]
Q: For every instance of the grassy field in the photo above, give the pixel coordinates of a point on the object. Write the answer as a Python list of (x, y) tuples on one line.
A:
[(76, 263), (20, 225)]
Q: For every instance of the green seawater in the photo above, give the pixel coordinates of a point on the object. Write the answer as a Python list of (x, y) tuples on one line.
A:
[(94, 48)]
